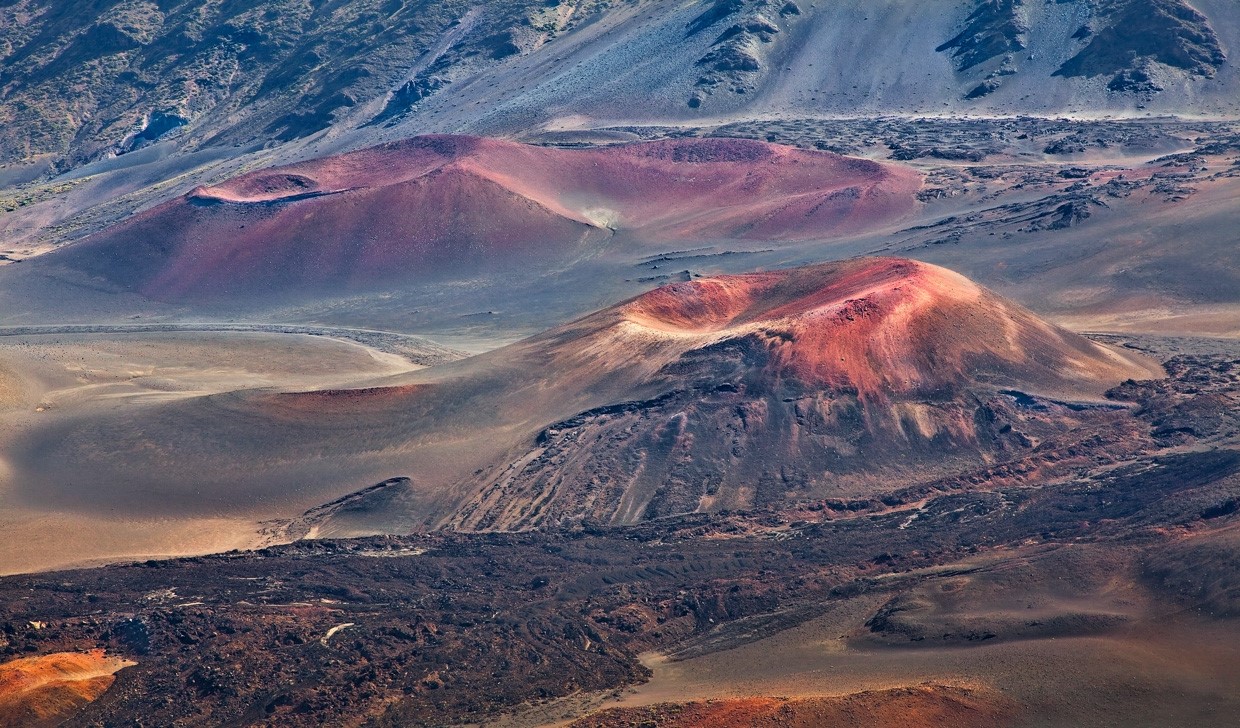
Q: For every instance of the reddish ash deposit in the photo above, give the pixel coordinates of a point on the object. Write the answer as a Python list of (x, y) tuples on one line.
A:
[(45, 690), (345, 405), (346, 399), (926, 705), (883, 326), (450, 205)]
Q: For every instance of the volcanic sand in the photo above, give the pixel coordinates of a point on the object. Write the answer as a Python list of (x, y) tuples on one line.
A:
[(923, 705), (1064, 681), (874, 325), (1142, 263), (69, 376), (12, 388), (1146, 261)]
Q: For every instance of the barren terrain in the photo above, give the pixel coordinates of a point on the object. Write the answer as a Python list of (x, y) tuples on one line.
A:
[(45, 690), (860, 374), (1107, 592), (600, 363), (68, 375)]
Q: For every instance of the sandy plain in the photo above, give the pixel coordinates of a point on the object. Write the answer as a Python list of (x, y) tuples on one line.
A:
[(64, 376)]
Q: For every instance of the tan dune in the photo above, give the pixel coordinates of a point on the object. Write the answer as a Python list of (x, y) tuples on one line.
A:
[(12, 388)]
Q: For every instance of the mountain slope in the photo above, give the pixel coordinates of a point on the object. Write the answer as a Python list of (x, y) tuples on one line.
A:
[(87, 79), (754, 59), (850, 379)]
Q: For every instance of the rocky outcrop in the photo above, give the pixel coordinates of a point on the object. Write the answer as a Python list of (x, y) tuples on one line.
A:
[(1136, 45), (1136, 37), (994, 30), (78, 82), (738, 54)]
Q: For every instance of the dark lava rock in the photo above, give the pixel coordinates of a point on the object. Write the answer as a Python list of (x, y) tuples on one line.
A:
[(994, 29), (719, 10), (1137, 32), (1134, 80), (730, 57), (135, 634), (983, 89)]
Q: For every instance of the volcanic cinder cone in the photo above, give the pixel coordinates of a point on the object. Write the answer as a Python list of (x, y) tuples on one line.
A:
[(843, 378), (432, 207)]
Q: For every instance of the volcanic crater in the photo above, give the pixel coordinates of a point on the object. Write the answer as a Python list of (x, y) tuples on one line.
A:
[(884, 326)]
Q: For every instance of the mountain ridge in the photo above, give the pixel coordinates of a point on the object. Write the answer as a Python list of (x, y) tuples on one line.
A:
[(364, 71)]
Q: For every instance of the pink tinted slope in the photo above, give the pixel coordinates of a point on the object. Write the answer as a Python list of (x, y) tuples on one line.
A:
[(452, 205)]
